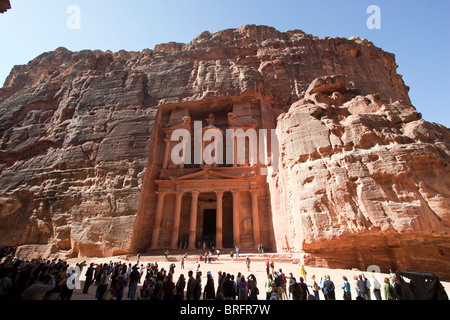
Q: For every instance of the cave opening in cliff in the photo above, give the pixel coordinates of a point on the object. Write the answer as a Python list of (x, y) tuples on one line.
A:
[(209, 227)]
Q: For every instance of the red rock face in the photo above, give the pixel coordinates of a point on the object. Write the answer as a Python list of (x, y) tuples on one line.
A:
[(361, 174), (5, 5), (360, 184)]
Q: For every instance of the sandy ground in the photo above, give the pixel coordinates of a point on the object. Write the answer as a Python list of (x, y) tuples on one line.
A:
[(224, 264)]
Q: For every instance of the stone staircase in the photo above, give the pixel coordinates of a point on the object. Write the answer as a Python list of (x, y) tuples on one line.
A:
[(176, 254)]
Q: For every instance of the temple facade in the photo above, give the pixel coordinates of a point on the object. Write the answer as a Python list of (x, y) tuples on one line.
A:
[(205, 184)]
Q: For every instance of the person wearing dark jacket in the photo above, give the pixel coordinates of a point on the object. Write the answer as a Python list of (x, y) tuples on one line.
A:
[(89, 278), (328, 289), (209, 292), (304, 287)]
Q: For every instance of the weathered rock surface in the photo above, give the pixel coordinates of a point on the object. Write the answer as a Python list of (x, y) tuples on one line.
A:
[(360, 169), (363, 183), (5, 5)]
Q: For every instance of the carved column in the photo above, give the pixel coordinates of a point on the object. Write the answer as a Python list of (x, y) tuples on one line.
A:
[(166, 153), (235, 152), (236, 218), (157, 221), (219, 228), (193, 222), (184, 155), (255, 217), (176, 220)]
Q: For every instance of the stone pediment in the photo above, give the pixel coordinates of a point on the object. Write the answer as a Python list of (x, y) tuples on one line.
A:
[(206, 174), (185, 124), (233, 122)]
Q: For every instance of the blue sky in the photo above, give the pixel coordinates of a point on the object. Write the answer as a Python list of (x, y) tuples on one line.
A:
[(416, 31)]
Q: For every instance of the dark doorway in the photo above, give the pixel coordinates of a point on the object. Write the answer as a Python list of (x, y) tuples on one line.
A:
[(209, 227)]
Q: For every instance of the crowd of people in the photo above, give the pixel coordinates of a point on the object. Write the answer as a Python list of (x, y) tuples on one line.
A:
[(41, 279), (37, 279)]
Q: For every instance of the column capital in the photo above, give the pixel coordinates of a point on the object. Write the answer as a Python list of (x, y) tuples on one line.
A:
[(195, 193), (176, 219), (161, 193), (254, 191), (236, 192), (193, 219), (219, 193)]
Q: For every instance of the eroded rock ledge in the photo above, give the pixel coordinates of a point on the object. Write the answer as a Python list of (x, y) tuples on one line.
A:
[(363, 182)]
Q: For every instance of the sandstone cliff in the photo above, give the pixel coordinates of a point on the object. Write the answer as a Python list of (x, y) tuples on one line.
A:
[(363, 182), (358, 168), (5, 5)]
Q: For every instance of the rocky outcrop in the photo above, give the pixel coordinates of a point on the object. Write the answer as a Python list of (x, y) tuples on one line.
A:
[(357, 160), (73, 149), (5, 5), (361, 182)]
